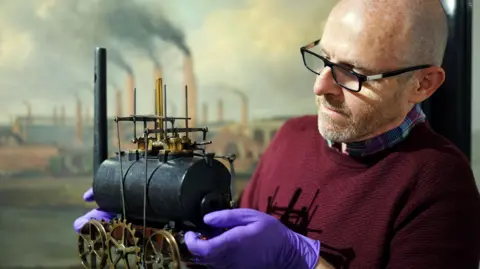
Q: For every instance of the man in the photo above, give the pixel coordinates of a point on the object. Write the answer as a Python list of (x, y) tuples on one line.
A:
[(365, 183)]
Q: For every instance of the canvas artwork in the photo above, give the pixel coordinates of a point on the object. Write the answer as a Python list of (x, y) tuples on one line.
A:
[(239, 60)]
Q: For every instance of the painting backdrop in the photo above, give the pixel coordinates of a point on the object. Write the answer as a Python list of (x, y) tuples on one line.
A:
[(240, 60)]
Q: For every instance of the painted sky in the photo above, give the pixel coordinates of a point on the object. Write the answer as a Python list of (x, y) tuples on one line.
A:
[(46, 52)]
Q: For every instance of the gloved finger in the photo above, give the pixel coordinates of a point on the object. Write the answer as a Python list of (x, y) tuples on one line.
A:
[(232, 217), (88, 195)]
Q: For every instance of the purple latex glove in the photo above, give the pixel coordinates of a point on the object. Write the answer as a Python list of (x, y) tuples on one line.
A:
[(254, 240), (92, 214)]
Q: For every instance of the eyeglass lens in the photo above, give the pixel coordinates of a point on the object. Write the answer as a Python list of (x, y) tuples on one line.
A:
[(341, 76)]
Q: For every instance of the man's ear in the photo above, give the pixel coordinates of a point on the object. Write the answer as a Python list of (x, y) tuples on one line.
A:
[(427, 82)]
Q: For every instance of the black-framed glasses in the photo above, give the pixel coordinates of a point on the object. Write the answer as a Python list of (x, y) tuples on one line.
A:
[(344, 76)]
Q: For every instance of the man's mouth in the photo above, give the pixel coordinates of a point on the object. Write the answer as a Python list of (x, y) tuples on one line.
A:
[(336, 110)]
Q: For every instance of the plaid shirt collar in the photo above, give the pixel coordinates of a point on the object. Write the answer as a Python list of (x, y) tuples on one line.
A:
[(385, 140)]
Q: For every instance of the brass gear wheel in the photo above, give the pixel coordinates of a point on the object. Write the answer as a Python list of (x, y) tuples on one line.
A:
[(162, 251), (123, 245), (92, 244)]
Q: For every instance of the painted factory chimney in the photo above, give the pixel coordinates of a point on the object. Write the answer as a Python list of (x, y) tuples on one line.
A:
[(204, 113), (79, 123), (28, 120), (118, 103), (62, 115), (244, 106), (129, 91), (29, 112), (118, 112), (244, 118), (220, 110), (87, 120), (55, 116), (189, 78)]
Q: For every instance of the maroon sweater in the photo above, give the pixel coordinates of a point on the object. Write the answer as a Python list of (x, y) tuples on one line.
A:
[(415, 206)]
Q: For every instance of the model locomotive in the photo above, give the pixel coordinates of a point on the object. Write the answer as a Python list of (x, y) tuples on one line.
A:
[(160, 190)]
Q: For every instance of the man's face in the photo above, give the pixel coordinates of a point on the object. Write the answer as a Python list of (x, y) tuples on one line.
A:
[(346, 116)]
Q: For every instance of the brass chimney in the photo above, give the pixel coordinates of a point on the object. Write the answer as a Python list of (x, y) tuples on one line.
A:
[(159, 104)]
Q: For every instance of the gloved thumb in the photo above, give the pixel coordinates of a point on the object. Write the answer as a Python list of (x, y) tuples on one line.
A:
[(92, 214), (196, 245), (79, 223), (88, 195)]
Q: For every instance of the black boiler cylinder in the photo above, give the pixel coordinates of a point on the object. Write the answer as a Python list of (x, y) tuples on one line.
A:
[(180, 189)]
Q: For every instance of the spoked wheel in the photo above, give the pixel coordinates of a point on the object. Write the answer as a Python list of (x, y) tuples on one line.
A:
[(92, 245), (123, 249), (162, 251)]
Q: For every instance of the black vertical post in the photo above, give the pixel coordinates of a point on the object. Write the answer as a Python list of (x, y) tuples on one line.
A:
[(100, 141), (449, 109)]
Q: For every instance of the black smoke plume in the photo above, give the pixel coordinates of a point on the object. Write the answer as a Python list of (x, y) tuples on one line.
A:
[(67, 32), (115, 56), (128, 21)]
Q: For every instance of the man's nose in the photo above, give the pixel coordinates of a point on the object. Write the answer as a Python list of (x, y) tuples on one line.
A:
[(325, 83)]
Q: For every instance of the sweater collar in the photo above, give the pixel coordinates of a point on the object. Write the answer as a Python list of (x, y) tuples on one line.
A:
[(386, 140)]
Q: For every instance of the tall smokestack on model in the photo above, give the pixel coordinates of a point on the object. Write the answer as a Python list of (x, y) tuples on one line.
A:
[(220, 110), (100, 141), (192, 90), (129, 91), (204, 113), (79, 122)]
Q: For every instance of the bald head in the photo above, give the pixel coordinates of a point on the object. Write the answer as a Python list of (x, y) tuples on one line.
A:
[(411, 32), (372, 37)]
